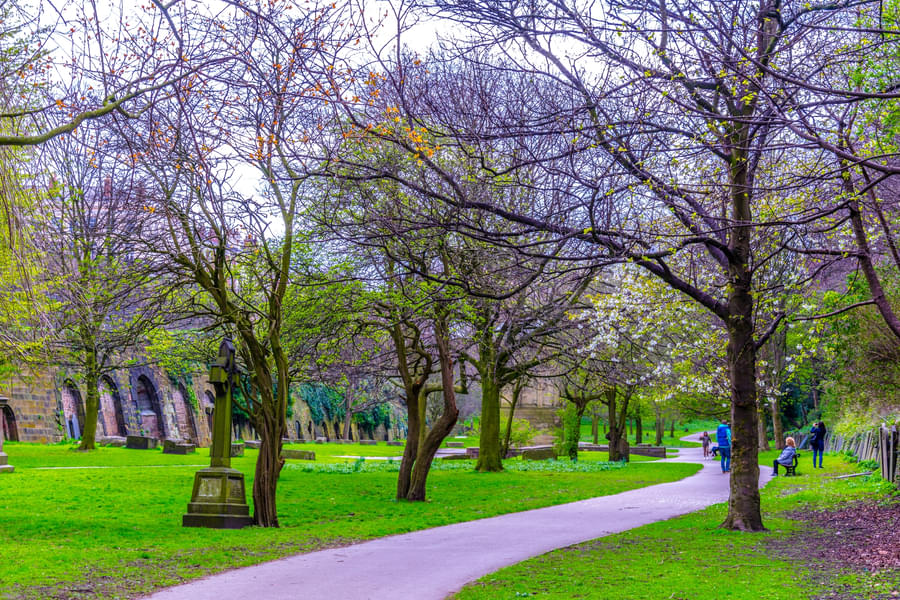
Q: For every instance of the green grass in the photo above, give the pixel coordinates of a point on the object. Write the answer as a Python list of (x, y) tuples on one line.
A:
[(690, 558), (116, 532)]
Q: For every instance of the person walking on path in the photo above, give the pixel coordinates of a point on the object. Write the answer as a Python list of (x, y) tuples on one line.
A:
[(723, 438), (817, 441), (704, 439), (786, 457)]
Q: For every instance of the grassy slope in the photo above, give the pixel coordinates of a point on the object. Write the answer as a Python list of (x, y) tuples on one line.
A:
[(687, 558), (116, 532)]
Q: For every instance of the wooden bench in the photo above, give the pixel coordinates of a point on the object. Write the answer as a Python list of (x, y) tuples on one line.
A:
[(791, 469)]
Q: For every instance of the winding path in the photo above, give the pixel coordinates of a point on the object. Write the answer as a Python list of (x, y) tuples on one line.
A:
[(433, 563)]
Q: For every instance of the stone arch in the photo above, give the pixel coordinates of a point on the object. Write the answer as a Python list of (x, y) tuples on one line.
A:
[(184, 414), (149, 410), (10, 430), (73, 410), (112, 416)]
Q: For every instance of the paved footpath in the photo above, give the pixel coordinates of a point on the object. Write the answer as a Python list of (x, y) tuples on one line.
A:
[(433, 563)]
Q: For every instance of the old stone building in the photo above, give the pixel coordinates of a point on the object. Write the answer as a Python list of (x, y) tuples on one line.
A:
[(48, 406)]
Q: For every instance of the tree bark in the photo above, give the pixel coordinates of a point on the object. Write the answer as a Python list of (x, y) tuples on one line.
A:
[(514, 401), (777, 427), (744, 502), (268, 467), (595, 428), (444, 425), (638, 429), (91, 407), (618, 441), (489, 458), (763, 439)]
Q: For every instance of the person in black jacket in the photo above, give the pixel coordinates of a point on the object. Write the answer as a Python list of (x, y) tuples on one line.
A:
[(817, 442)]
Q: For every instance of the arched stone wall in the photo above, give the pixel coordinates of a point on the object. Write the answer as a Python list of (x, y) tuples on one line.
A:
[(73, 410)]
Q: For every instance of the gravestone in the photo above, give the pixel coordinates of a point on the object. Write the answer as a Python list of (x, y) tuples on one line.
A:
[(112, 440), (173, 447), (544, 453), (455, 444), (252, 444), (5, 467), (368, 442), (299, 454), (219, 497), (141, 442), (320, 440), (394, 443), (237, 449)]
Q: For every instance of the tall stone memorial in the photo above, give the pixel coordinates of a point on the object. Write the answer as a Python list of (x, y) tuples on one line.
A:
[(4, 460), (219, 499)]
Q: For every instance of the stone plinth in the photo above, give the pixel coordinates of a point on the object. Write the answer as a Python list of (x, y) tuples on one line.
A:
[(5, 467), (299, 454), (455, 445), (140, 442), (368, 442), (237, 449), (173, 447), (321, 440), (253, 444), (538, 453), (112, 440), (455, 457), (472, 451), (394, 443), (218, 500)]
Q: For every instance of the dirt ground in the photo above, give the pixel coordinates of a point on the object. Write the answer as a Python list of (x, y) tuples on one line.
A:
[(861, 541)]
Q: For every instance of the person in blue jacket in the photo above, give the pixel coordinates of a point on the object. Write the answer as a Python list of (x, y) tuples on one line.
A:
[(786, 457), (817, 442), (723, 437)]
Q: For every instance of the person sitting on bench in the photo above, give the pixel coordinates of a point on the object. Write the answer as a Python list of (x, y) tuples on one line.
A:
[(787, 456)]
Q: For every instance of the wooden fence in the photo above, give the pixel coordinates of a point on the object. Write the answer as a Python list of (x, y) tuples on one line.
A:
[(881, 445)]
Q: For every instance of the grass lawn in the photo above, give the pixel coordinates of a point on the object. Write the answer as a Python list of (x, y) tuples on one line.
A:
[(690, 558), (115, 531)]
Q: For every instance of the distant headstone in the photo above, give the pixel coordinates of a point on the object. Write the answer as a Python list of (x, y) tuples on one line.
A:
[(539, 453), (140, 442), (253, 444), (368, 442), (173, 447), (455, 444), (456, 457), (112, 440), (299, 454), (5, 467), (320, 440), (395, 443), (472, 451), (237, 449)]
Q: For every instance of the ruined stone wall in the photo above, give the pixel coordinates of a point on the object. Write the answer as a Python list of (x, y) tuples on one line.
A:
[(48, 405)]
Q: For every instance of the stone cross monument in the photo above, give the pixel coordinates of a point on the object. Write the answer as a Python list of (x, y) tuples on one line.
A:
[(4, 467), (219, 500)]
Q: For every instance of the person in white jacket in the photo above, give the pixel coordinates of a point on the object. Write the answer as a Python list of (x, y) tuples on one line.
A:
[(786, 457)]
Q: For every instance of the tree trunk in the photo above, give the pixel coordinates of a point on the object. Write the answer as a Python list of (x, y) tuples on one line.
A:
[(630, 426), (761, 428), (268, 467), (777, 428), (489, 458), (618, 442), (91, 406), (595, 428), (422, 407), (744, 501), (412, 445), (348, 418), (638, 429), (514, 401), (444, 425), (660, 425), (672, 428)]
